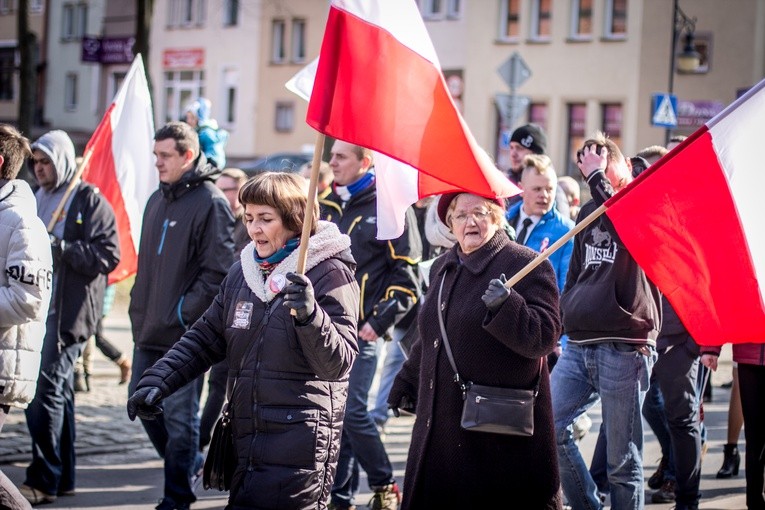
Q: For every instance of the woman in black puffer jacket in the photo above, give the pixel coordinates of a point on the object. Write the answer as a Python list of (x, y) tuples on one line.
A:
[(288, 375)]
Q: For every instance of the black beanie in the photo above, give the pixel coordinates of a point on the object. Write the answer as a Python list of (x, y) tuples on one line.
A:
[(532, 137)]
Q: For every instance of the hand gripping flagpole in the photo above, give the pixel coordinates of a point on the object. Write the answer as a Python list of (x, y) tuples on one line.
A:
[(309, 206), (72, 183), (557, 244)]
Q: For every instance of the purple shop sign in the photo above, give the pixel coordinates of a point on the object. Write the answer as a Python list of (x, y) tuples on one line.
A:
[(695, 113), (91, 49), (108, 50)]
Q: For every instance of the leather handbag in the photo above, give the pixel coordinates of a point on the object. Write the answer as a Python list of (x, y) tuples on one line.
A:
[(221, 456), (492, 409), (221, 459)]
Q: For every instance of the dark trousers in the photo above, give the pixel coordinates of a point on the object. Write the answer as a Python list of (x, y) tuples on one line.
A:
[(50, 417), (751, 379), (105, 346), (676, 372)]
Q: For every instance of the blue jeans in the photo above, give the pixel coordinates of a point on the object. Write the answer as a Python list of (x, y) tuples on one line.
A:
[(618, 376), (175, 433), (50, 417), (360, 442), (394, 358)]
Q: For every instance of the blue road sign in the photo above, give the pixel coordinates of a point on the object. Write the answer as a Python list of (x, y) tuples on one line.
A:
[(664, 110)]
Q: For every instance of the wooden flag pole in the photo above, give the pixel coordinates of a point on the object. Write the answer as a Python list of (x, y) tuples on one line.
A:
[(557, 244), (305, 235), (308, 220), (72, 183)]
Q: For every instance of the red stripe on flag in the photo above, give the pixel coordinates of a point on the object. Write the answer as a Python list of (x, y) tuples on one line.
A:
[(373, 91), (102, 173), (680, 223)]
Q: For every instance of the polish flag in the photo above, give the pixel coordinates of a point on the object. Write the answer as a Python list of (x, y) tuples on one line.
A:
[(379, 85), (122, 163), (693, 221)]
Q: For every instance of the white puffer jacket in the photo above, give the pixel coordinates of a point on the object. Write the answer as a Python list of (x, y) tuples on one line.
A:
[(25, 290)]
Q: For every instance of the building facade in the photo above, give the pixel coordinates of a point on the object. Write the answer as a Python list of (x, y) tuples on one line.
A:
[(592, 65)]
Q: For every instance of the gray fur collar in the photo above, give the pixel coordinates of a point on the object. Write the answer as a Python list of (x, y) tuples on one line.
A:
[(326, 242)]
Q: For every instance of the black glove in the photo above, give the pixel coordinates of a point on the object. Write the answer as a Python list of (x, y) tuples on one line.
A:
[(56, 248), (298, 295), (144, 403), (496, 294), (405, 405)]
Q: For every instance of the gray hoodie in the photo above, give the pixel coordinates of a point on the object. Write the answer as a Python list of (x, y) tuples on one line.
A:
[(60, 150)]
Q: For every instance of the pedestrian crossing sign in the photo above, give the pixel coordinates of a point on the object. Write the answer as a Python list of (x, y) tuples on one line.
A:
[(664, 108)]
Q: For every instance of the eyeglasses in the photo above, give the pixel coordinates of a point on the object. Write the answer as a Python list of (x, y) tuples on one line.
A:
[(462, 217)]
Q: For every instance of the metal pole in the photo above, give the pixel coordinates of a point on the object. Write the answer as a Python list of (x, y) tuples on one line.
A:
[(668, 133)]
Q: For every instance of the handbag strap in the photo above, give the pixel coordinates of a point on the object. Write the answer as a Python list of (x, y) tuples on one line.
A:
[(261, 325), (440, 306), (457, 379)]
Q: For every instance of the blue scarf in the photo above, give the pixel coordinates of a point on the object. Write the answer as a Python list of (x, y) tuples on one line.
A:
[(346, 192), (269, 263)]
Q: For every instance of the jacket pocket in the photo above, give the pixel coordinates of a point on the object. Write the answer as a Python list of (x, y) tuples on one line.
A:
[(291, 437)]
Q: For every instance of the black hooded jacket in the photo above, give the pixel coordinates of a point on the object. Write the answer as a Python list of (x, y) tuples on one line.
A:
[(185, 252)]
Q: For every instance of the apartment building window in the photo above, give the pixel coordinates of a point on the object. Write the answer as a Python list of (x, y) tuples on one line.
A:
[(440, 9), (538, 114), (75, 21), (509, 20), (285, 116), (541, 17), (181, 87), (116, 79), (186, 13), (70, 92), (7, 70), (612, 123), (278, 52), (6, 6), (453, 9), (298, 41), (616, 19), (581, 19), (432, 9), (230, 90), (231, 13), (577, 123), (36, 6)]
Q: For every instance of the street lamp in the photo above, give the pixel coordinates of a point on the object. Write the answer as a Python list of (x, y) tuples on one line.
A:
[(689, 60)]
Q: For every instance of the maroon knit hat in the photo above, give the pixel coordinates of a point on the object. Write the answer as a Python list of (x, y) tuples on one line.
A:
[(446, 199)]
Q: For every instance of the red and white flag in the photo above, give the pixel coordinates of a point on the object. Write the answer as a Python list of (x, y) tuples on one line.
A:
[(122, 163), (693, 221), (379, 85)]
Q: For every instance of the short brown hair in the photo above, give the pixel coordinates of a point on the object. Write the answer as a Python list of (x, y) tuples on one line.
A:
[(540, 164), (652, 153), (284, 192), (14, 148), (602, 140), (184, 135), (234, 173)]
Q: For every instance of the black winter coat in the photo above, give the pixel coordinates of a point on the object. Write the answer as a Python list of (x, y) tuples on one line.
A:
[(290, 382), (446, 464), (387, 270), (186, 249), (91, 251)]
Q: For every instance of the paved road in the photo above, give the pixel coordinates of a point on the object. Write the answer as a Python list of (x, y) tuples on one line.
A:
[(118, 468)]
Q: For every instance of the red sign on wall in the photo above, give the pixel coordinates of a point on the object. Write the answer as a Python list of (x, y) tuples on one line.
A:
[(183, 58)]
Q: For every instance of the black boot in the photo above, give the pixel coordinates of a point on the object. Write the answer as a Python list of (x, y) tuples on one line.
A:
[(731, 461)]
